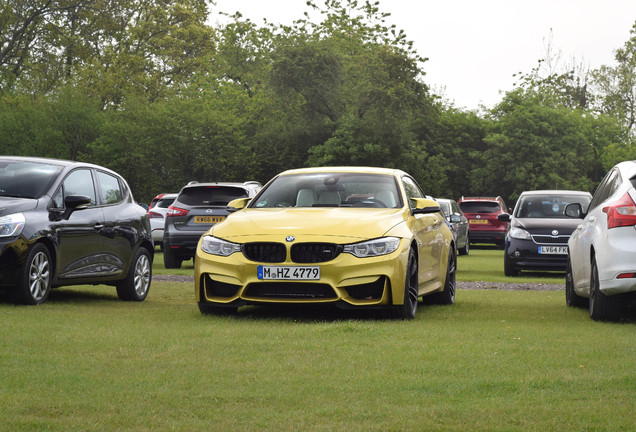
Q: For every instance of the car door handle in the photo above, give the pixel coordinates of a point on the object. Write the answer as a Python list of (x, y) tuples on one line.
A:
[(592, 219)]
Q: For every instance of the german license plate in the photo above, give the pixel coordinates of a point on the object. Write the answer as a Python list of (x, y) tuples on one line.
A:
[(478, 221), (553, 250), (288, 273), (208, 219)]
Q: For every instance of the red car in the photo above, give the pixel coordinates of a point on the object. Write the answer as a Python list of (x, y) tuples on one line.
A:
[(482, 215)]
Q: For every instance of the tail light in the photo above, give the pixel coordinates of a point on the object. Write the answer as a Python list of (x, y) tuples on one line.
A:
[(154, 215), (621, 213), (176, 211)]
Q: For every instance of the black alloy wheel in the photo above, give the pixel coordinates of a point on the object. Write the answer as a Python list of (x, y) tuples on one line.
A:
[(408, 309)]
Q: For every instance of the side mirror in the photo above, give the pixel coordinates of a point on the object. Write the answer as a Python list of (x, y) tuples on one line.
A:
[(454, 218), (425, 206), (574, 210), (504, 217), (237, 204), (71, 203), (76, 201)]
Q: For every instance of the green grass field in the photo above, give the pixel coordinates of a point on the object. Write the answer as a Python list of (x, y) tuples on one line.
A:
[(487, 264), (494, 361)]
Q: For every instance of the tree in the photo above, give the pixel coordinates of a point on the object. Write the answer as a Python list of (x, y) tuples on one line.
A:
[(532, 146), (616, 84)]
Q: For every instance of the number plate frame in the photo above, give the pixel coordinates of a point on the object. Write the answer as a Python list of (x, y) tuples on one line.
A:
[(478, 221), (208, 219), (311, 273), (553, 250)]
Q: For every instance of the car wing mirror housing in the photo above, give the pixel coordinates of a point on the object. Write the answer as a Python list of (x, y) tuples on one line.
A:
[(574, 210), (71, 203), (425, 206), (237, 204), (504, 217)]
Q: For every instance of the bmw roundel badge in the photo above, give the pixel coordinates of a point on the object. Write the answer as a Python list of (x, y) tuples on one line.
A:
[(290, 239)]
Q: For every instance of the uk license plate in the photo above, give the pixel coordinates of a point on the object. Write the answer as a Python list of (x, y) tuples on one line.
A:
[(208, 219), (553, 250), (288, 273), (478, 221)]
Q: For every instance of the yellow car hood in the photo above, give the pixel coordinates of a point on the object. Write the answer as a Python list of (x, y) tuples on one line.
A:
[(348, 223)]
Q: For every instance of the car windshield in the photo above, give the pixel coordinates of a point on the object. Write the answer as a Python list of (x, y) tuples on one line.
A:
[(26, 179), (479, 206), (330, 190), (211, 195), (445, 206), (548, 206)]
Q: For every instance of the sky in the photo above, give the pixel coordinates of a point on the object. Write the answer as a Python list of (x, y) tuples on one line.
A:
[(475, 46)]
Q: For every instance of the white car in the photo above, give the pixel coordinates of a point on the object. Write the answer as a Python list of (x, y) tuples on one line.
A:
[(601, 268), (157, 215)]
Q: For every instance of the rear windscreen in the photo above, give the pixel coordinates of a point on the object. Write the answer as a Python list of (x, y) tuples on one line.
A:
[(164, 202), (211, 195), (479, 207)]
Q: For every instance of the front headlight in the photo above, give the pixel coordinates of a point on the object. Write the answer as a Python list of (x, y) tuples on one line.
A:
[(12, 225), (216, 246), (518, 233), (371, 248)]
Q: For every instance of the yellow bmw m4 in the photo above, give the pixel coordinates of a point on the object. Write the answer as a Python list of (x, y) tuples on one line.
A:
[(355, 237)]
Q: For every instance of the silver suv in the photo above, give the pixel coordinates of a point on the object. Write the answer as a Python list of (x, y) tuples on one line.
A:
[(198, 207)]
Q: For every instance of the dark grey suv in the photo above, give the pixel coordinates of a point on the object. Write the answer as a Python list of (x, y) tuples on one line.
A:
[(197, 207), (70, 223)]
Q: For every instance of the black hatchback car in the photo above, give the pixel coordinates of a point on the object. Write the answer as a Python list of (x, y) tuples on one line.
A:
[(70, 223), (537, 238), (198, 207)]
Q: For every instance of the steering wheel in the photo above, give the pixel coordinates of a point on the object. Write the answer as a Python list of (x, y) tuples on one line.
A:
[(373, 202)]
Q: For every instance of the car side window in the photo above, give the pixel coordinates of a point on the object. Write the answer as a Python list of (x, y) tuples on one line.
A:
[(109, 188), (79, 182), (412, 190), (607, 186)]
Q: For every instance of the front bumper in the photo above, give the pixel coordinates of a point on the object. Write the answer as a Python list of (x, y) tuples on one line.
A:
[(346, 281), (13, 252), (524, 255)]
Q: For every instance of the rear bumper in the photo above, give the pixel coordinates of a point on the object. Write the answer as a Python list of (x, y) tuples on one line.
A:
[(183, 244), (484, 236)]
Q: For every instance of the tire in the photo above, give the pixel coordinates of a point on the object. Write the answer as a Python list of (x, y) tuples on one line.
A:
[(466, 248), (408, 309), (207, 309), (447, 297), (509, 270), (572, 299), (137, 284), (34, 284), (602, 307), (170, 261)]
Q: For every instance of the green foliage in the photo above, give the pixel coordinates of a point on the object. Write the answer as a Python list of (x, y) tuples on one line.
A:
[(616, 84), (150, 89), (533, 146)]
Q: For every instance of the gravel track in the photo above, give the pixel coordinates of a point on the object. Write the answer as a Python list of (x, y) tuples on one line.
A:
[(503, 286)]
